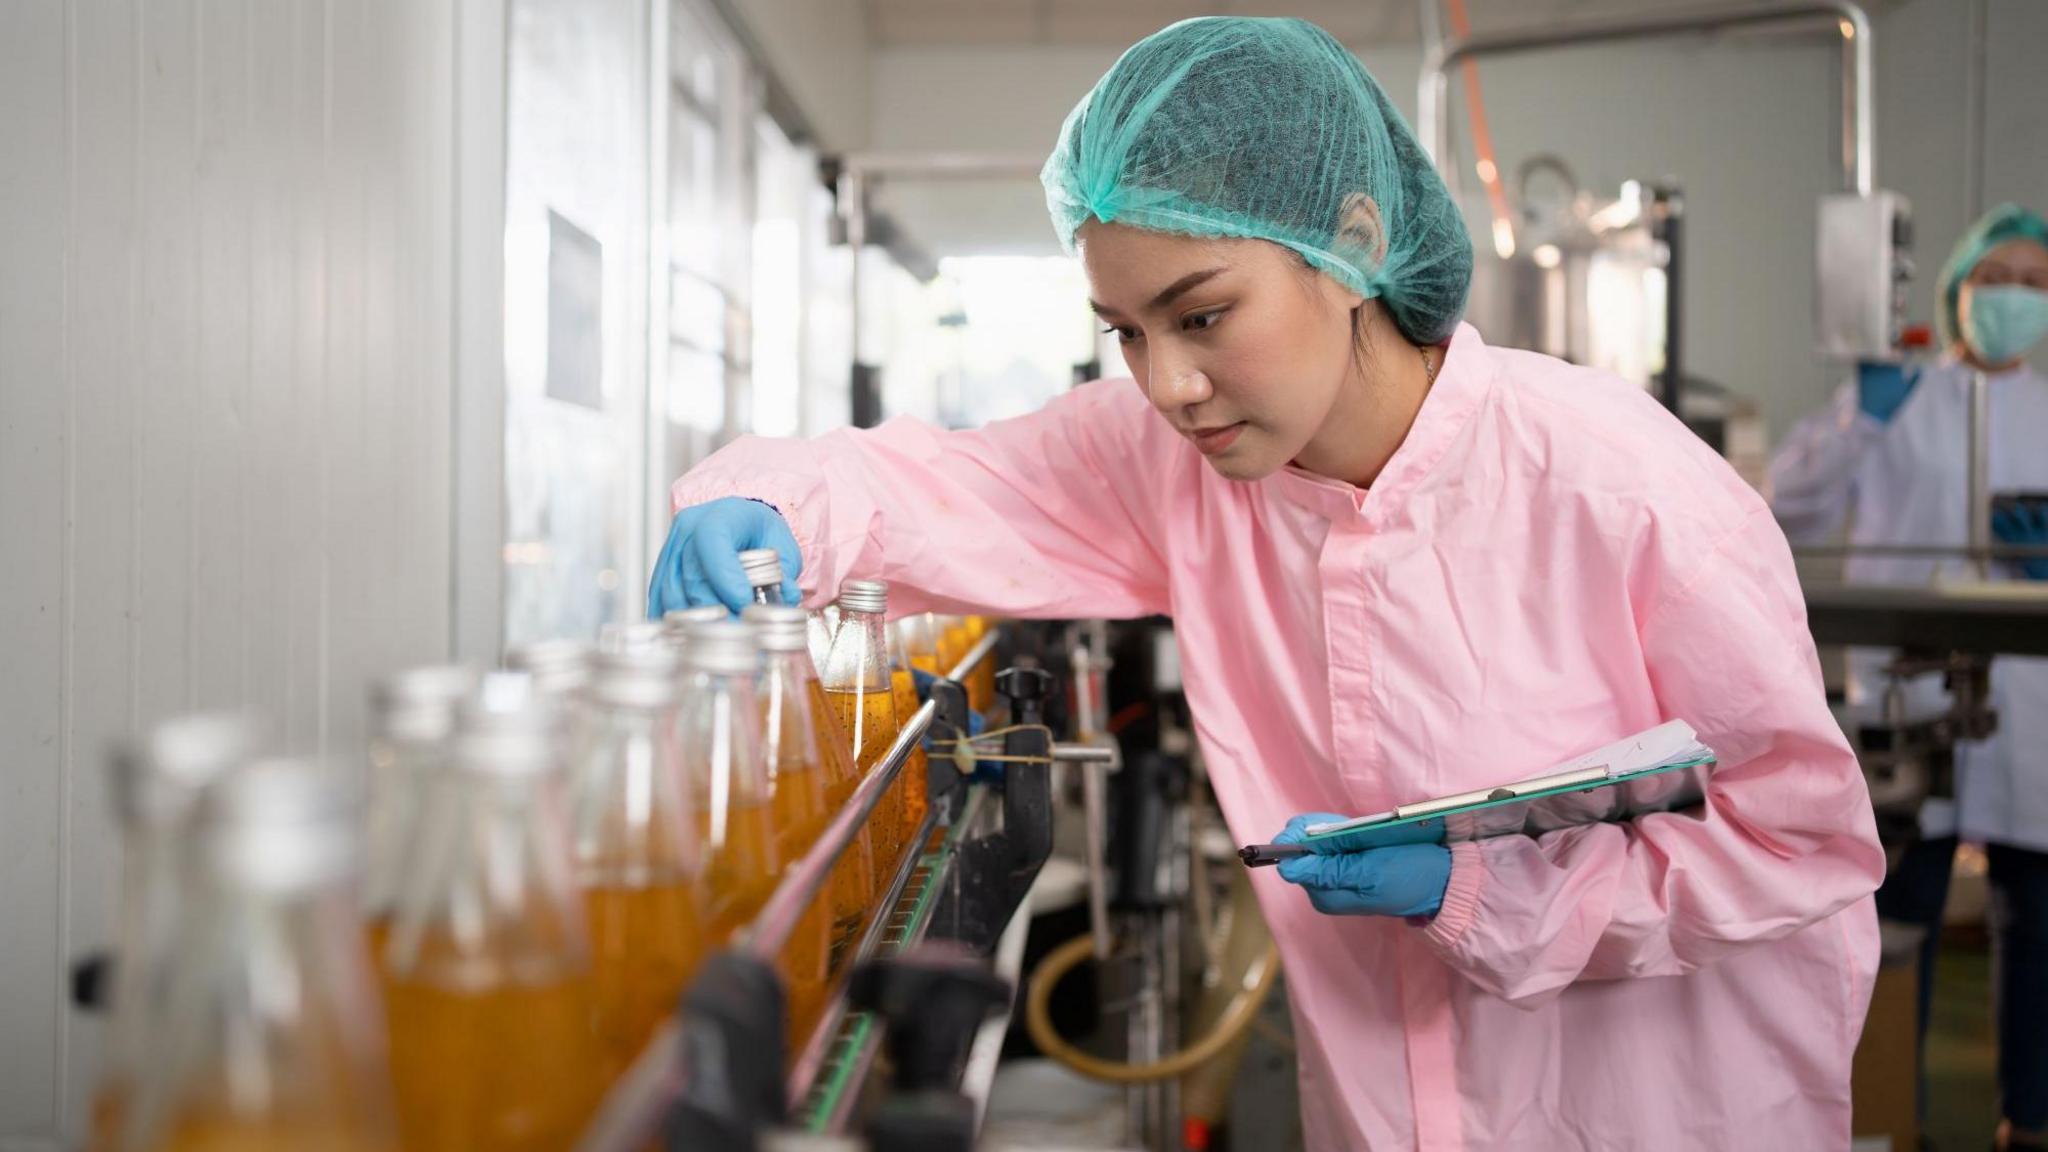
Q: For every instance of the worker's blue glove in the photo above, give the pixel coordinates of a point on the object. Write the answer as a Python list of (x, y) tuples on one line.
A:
[(1882, 388), (1403, 880), (2025, 525), (700, 563)]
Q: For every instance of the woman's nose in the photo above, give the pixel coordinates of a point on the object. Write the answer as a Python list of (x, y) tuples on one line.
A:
[(1173, 386)]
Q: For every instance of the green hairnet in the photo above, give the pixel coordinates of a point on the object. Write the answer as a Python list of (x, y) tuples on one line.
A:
[(2003, 223), (1267, 129)]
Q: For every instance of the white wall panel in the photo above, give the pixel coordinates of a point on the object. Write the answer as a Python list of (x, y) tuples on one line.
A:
[(225, 416)]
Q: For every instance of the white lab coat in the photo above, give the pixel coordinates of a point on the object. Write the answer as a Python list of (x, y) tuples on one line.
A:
[(1907, 483)]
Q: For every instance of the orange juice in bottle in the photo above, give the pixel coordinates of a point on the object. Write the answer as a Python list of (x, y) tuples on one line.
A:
[(488, 973), (868, 718), (918, 636), (267, 972), (634, 837), (789, 746), (852, 884), (719, 735), (981, 683), (862, 696), (412, 732), (913, 786), (953, 646)]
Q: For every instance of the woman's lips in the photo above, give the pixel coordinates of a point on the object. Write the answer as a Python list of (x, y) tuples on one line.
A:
[(1212, 441)]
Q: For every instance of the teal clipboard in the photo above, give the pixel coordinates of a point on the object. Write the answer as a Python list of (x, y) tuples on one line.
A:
[(1534, 807)]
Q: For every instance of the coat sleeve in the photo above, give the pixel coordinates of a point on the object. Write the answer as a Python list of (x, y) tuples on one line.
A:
[(1813, 474), (1049, 515), (1785, 837)]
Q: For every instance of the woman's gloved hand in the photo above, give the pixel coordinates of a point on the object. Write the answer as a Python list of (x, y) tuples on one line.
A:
[(2024, 525), (1882, 388), (700, 563), (1341, 880)]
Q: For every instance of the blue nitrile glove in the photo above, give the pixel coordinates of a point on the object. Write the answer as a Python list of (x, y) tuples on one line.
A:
[(700, 563), (1404, 880), (2025, 525), (1882, 388)]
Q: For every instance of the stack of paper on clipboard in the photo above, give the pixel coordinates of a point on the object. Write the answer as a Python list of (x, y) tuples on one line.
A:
[(1654, 771)]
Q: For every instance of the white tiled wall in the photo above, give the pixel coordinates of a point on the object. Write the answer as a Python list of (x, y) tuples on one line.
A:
[(227, 300)]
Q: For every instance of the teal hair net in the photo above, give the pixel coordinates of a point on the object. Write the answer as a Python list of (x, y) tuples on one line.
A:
[(2003, 223), (1267, 129)]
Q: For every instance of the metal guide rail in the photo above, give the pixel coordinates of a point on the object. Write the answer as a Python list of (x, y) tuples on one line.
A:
[(823, 1081)]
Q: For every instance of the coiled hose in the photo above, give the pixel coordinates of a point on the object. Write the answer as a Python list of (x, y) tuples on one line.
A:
[(1243, 1010)]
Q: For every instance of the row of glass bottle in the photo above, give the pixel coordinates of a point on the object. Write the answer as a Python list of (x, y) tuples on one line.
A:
[(529, 927)]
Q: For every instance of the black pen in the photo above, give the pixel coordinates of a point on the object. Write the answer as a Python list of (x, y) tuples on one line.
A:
[(1260, 855)]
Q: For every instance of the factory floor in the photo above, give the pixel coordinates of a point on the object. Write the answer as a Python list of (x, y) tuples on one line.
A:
[(1962, 1092)]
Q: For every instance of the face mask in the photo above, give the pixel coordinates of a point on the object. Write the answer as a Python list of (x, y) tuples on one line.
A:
[(2004, 321)]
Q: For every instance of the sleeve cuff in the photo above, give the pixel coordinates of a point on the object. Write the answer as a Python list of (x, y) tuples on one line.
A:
[(1461, 898)]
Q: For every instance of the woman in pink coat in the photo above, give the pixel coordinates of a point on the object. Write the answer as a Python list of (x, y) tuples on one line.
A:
[(1400, 563)]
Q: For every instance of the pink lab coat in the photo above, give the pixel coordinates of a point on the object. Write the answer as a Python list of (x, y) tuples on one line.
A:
[(1548, 563)]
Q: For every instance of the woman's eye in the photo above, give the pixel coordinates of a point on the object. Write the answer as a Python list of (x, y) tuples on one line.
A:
[(1123, 335), (1202, 321)]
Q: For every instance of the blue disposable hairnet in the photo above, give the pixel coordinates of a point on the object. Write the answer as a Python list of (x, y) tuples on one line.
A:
[(2003, 223), (1267, 129)]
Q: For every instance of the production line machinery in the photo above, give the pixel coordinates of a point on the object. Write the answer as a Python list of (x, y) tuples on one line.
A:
[(902, 1056)]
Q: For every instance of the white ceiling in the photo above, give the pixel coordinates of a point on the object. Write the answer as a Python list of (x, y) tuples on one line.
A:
[(910, 23)]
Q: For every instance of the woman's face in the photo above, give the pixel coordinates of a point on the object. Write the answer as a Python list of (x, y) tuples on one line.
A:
[(1240, 347), (2019, 263)]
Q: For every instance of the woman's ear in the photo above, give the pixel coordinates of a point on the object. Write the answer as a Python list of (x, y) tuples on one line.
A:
[(1359, 228)]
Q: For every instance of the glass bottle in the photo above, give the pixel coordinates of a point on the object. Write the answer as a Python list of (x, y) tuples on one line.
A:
[(633, 833), (763, 567), (487, 975), (918, 636), (676, 624), (411, 733), (858, 691), (821, 628), (155, 787), (913, 786), (981, 682), (560, 669), (796, 783), (271, 1035), (632, 634), (953, 646), (720, 738), (852, 882)]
